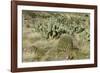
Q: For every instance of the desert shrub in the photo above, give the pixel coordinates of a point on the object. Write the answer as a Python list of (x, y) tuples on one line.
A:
[(66, 44)]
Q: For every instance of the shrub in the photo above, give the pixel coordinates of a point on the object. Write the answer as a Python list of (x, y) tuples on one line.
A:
[(65, 45)]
